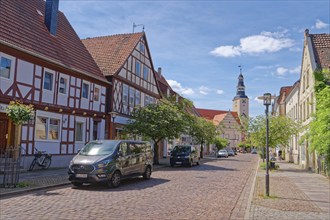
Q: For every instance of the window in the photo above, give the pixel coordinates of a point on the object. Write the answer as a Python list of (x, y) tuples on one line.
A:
[(141, 47), (5, 67), (96, 94), (47, 128), (125, 95), (145, 72), (85, 90), (79, 131), (137, 68), (48, 81), (146, 100), (41, 128), (63, 85), (131, 96), (54, 129), (137, 98)]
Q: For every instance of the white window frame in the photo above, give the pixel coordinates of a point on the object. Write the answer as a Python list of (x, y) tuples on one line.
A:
[(138, 69), (49, 116), (82, 89), (12, 66), (97, 99), (53, 79), (83, 122), (66, 83), (125, 95)]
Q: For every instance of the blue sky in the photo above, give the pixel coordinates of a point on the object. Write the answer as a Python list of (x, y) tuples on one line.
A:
[(200, 44)]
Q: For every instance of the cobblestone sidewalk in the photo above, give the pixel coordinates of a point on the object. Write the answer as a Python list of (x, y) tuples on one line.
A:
[(294, 194)]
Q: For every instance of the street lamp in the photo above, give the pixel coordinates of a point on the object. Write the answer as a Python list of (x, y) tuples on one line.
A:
[(267, 102), (113, 116)]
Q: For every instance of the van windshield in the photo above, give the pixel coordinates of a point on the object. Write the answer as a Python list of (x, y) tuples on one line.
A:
[(181, 150), (98, 148)]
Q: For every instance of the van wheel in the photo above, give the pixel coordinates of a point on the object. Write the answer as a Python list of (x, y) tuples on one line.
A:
[(147, 173), (76, 184), (172, 164), (114, 181), (197, 163)]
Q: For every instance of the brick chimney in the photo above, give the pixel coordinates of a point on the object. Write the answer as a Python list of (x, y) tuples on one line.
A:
[(51, 11)]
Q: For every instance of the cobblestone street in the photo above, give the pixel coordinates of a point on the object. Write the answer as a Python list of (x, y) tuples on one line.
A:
[(217, 189)]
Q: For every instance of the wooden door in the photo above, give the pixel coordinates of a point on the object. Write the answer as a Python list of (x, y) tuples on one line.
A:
[(3, 132)]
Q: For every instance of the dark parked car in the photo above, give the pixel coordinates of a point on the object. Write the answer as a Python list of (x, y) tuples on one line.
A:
[(254, 151), (109, 161), (184, 155)]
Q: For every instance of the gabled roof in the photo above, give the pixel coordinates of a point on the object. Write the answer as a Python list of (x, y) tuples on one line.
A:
[(321, 47), (111, 52), (212, 114), (22, 28), (284, 92)]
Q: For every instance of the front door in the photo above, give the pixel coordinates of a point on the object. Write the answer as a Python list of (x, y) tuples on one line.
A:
[(3, 132)]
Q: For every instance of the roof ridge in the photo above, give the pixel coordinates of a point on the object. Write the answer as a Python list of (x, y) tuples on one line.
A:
[(114, 35)]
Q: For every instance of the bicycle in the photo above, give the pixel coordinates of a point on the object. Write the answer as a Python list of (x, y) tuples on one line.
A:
[(42, 159)]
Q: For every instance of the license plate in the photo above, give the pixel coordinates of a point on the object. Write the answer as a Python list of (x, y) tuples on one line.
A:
[(178, 162), (78, 175)]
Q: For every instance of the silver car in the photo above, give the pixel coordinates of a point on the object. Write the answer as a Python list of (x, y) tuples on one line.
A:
[(222, 153), (111, 160)]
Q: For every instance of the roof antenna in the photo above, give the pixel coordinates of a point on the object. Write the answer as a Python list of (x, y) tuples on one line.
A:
[(136, 25)]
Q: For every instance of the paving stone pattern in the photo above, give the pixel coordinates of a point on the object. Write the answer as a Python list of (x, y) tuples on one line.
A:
[(217, 189)]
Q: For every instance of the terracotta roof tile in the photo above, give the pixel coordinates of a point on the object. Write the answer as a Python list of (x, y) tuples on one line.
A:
[(321, 46), (213, 114), (111, 52), (23, 27)]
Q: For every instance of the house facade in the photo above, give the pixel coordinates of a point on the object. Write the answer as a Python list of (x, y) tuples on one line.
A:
[(228, 125), (125, 61), (316, 53), (44, 63), (292, 111)]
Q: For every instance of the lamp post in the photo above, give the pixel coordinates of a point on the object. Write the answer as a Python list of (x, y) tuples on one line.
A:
[(267, 101), (113, 116)]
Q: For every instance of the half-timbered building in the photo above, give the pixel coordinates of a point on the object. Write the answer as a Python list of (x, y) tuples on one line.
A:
[(125, 61), (44, 63)]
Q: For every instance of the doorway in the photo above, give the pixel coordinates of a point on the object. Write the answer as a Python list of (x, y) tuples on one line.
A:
[(3, 132)]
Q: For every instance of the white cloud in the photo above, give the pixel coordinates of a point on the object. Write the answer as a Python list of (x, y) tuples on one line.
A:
[(265, 42), (320, 24), (295, 70), (281, 71), (258, 100), (176, 86), (220, 91), (226, 51), (204, 90)]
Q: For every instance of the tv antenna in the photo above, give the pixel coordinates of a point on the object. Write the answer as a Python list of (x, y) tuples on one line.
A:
[(136, 25)]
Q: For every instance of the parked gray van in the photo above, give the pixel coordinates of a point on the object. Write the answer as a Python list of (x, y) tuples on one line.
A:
[(110, 161)]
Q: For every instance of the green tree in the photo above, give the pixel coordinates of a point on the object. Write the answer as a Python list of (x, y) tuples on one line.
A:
[(157, 122), (319, 128), (280, 130), (202, 130), (220, 143), (18, 113)]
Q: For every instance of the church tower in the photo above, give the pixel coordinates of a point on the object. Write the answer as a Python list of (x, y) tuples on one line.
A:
[(241, 101)]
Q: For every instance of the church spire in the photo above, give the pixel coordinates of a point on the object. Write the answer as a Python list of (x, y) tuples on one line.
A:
[(240, 85)]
